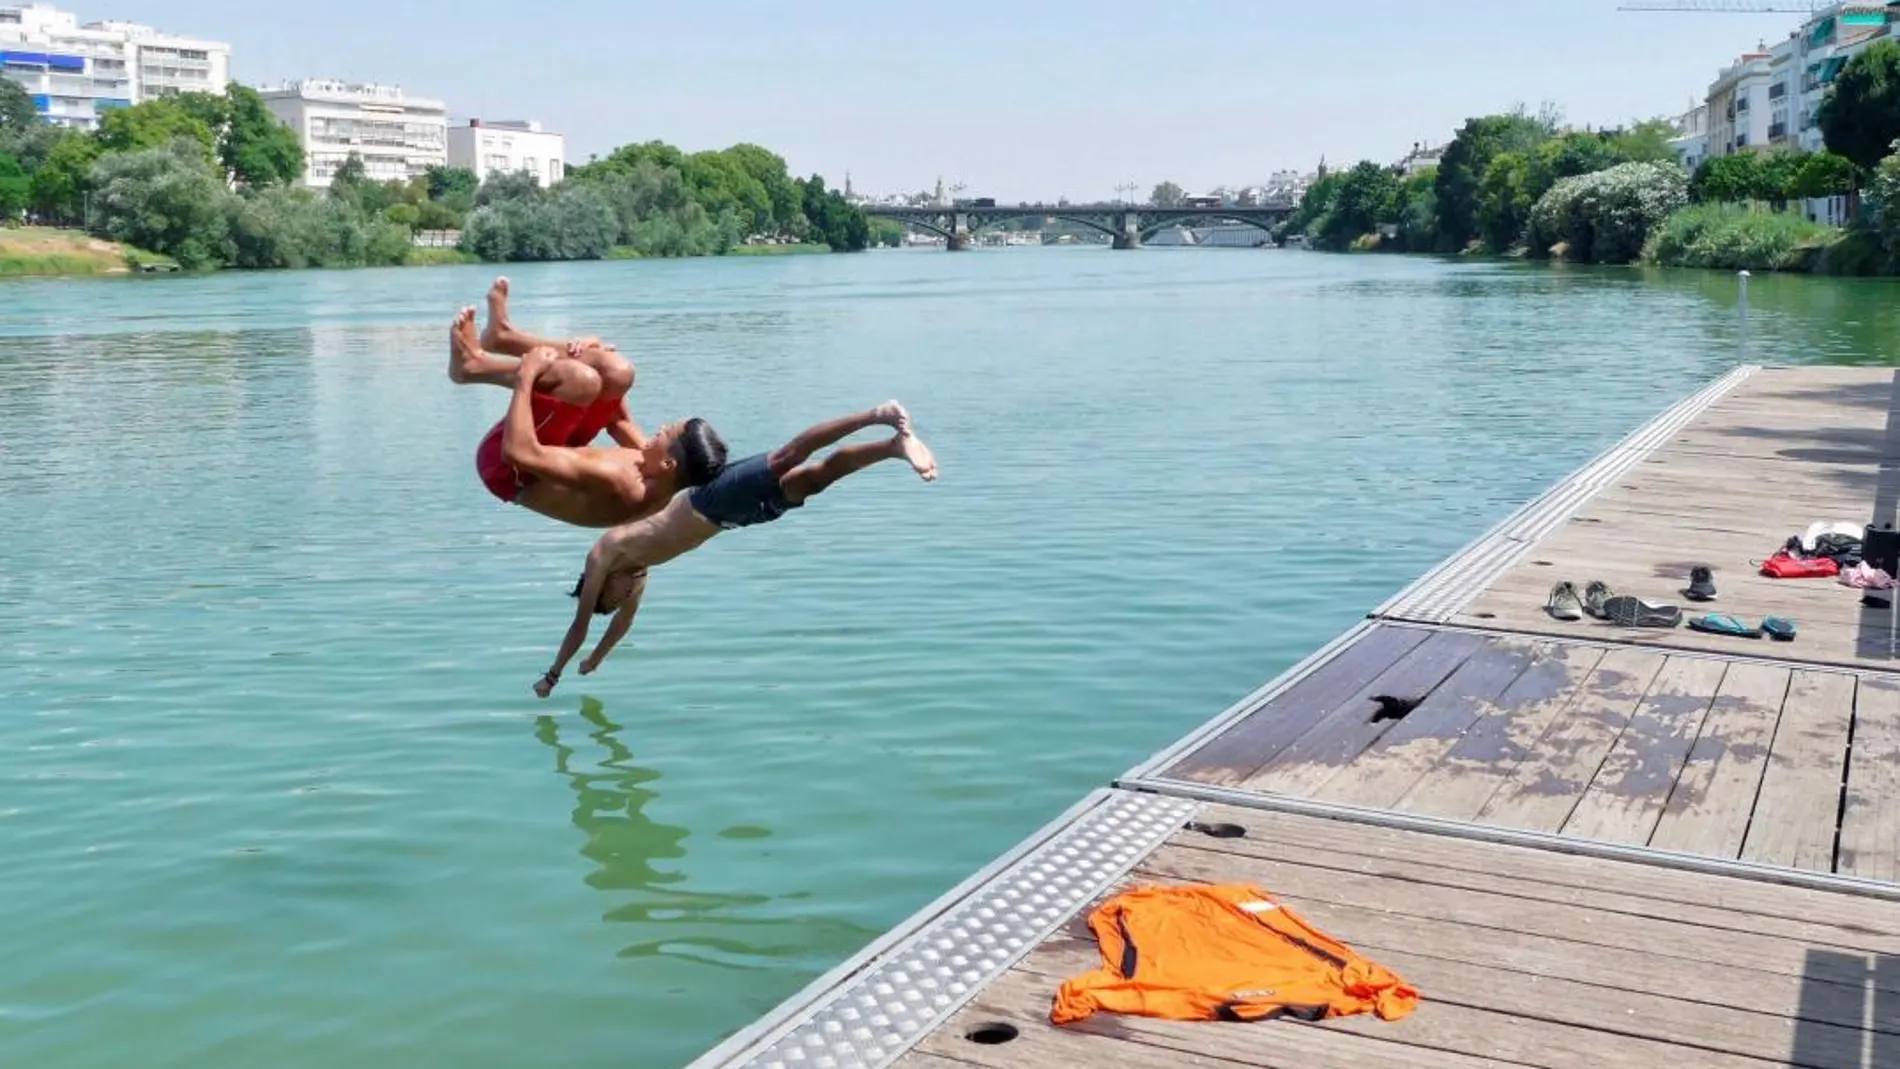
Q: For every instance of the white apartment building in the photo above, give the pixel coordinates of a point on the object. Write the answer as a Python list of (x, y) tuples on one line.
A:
[(398, 136), (508, 146), (1691, 143), (76, 71), (1739, 111)]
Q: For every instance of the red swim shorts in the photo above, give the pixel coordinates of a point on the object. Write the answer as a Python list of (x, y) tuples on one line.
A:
[(555, 423)]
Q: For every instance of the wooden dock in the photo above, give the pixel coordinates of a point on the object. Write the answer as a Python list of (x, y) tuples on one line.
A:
[(1586, 845)]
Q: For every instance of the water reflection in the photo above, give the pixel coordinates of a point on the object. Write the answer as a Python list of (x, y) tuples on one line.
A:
[(629, 850)]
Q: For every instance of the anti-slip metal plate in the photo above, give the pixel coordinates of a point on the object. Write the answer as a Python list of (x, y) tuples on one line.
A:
[(874, 1008), (1441, 593)]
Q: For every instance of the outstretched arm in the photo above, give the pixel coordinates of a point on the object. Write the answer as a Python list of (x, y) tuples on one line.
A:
[(623, 622), (592, 580)]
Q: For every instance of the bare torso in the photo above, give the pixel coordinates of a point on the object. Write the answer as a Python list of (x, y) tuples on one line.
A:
[(675, 529), (614, 492)]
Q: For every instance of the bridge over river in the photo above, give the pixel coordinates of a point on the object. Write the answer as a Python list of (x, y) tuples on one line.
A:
[(1128, 224)]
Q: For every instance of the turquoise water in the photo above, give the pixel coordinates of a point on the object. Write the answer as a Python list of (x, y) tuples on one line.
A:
[(274, 790)]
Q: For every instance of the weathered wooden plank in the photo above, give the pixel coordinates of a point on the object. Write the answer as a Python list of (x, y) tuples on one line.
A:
[(1406, 750), (1436, 672), (1663, 936), (1021, 999), (1546, 786), (1870, 824), (1631, 787), (1602, 897), (1519, 1017), (1378, 933), (1493, 748), (1807, 914), (1234, 754), (1797, 813), (920, 1060), (1715, 794)]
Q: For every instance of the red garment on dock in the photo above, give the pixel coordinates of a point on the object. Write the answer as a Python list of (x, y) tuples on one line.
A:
[(1784, 566), (1223, 952)]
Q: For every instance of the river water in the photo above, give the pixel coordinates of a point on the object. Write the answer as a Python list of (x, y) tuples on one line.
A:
[(274, 790)]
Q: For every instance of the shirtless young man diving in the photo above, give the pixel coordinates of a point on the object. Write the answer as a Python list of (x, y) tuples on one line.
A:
[(758, 489), (538, 455)]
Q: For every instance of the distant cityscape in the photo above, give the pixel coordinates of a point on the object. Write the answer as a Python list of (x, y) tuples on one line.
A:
[(78, 71), (1766, 100)]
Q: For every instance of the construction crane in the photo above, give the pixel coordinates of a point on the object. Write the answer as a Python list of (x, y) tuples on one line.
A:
[(1730, 7)]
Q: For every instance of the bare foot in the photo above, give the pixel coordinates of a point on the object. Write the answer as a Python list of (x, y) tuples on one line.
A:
[(892, 414), (464, 347), (497, 314), (922, 460)]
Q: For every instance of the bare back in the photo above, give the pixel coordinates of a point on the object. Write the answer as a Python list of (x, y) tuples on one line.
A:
[(611, 491)]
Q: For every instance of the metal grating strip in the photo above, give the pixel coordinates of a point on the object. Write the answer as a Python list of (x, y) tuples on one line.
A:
[(1439, 594), (881, 1003)]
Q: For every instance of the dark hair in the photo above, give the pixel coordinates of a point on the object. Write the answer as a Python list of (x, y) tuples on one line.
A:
[(599, 610), (700, 451)]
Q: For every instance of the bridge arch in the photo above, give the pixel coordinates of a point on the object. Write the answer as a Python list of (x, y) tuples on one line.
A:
[(1213, 215)]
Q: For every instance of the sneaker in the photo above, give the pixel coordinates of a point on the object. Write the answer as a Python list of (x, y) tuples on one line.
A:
[(1564, 603), (1594, 596), (1701, 584)]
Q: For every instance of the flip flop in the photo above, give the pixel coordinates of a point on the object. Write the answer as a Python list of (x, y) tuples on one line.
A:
[(1779, 627), (1564, 603), (1720, 623), (1627, 610)]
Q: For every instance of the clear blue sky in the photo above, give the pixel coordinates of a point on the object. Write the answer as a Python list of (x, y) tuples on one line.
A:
[(1031, 99)]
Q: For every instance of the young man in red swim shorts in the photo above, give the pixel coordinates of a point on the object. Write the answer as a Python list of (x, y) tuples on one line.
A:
[(539, 456)]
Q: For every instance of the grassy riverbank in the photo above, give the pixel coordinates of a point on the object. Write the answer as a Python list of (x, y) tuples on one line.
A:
[(1735, 238), (36, 250)]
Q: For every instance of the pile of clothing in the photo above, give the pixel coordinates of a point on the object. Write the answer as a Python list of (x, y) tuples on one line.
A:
[(1820, 552), (1834, 550)]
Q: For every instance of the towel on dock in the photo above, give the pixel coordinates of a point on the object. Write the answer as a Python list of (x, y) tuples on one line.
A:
[(1223, 952)]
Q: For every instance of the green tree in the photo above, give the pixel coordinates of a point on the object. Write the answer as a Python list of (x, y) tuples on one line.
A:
[(1462, 168), (1566, 156), (1884, 189), (407, 216), (1823, 174), (257, 148), (64, 177), (1361, 199), (768, 169), (1505, 198), (1644, 142), (154, 124), (453, 187), (17, 112), (1166, 195), (163, 199), (507, 186), (1415, 212), (16, 189), (1728, 179), (1860, 116), (1776, 176)]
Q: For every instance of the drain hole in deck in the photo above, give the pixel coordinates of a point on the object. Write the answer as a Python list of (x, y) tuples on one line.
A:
[(1219, 831), (1485, 615), (992, 1033), (1542, 563)]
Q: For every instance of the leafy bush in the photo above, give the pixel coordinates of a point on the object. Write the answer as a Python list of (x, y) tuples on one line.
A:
[(1732, 237), (1606, 217)]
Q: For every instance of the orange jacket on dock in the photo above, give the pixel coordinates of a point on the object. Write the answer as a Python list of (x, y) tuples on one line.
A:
[(1223, 952)]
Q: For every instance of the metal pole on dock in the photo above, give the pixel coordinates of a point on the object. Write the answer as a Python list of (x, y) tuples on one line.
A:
[(1742, 304)]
